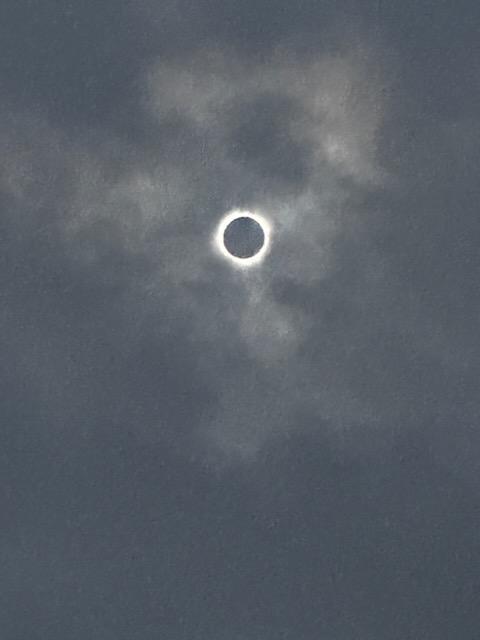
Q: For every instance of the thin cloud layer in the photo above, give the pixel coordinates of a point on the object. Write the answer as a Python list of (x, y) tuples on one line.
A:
[(193, 451), (326, 322), (142, 225)]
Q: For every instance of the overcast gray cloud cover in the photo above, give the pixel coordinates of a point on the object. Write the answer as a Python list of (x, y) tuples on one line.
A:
[(193, 451)]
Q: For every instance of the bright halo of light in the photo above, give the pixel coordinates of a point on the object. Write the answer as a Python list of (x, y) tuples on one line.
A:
[(220, 231)]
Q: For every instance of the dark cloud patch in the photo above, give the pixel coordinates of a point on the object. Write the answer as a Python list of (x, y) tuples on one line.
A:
[(437, 53), (74, 62), (310, 547), (184, 26), (259, 137)]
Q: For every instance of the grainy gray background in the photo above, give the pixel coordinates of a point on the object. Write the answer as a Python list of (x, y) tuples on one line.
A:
[(190, 452)]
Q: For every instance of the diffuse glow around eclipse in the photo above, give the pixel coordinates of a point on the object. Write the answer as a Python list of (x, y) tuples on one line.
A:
[(219, 238)]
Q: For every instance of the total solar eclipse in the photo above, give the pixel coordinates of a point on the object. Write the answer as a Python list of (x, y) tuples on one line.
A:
[(243, 237)]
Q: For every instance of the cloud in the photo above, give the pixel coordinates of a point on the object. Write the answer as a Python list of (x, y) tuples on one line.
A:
[(192, 450), (332, 321), (139, 223)]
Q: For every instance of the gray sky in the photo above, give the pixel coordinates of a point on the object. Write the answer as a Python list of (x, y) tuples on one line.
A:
[(191, 451)]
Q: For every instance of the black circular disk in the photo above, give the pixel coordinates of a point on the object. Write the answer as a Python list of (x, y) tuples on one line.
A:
[(243, 237)]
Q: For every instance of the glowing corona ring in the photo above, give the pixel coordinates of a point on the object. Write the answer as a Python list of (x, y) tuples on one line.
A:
[(220, 232)]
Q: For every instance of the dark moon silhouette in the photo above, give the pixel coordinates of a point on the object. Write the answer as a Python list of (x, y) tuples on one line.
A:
[(243, 237)]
